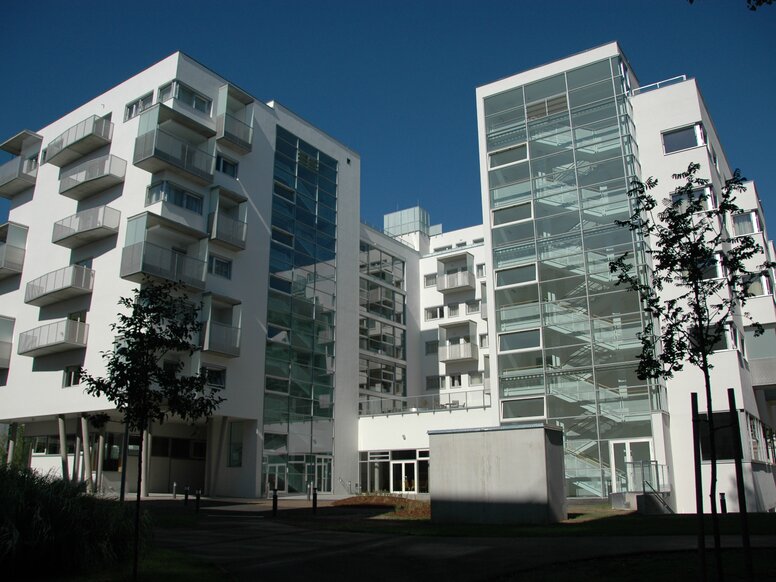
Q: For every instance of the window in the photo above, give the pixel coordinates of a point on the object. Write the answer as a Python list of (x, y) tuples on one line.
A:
[(444, 248), (475, 378), (478, 241), (523, 408), (684, 138), (511, 155), (234, 459), (546, 107), (215, 377), (480, 270), (432, 347), (760, 285), (429, 280), (452, 310), (460, 245), (174, 194), (746, 223), (138, 106), (433, 382), (473, 306), (483, 340), (72, 376), (226, 166), (455, 381), (219, 266), (512, 214), (434, 313), (704, 195), (520, 340), (516, 275), (185, 95)]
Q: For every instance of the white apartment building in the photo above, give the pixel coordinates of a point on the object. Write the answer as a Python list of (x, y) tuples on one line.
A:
[(340, 347)]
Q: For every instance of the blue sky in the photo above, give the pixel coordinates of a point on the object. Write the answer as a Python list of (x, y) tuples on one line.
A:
[(395, 80)]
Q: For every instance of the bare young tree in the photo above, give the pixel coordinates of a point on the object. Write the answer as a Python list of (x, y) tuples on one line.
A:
[(697, 280), (157, 320)]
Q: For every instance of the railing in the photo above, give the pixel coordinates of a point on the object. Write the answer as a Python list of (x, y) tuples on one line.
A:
[(11, 257), (235, 130), (145, 257), (658, 85), (455, 280), (227, 229), (86, 220), (68, 333), (177, 152), (98, 126), (223, 338), (17, 168), (74, 276), (92, 170), (466, 351), (638, 475), (464, 400)]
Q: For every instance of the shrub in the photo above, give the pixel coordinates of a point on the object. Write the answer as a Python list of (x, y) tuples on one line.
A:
[(50, 526)]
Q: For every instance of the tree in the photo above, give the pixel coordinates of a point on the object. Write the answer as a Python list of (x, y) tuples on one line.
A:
[(752, 5), (698, 280), (145, 388)]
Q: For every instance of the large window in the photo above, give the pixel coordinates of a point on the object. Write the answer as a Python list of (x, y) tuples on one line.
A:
[(186, 95), (138, 106), (226, 166), (683, 138), (746, 223), (174, 194), (219, 266), (377, 263)]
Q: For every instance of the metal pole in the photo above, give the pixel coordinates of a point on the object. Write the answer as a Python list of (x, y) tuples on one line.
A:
[(742, 510), (696, 442), (722, 503)]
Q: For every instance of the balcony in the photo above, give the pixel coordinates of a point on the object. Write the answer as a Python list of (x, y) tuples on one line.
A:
[(16, 176), (92, 177), (11, 260), (230, 231), (86, 226), (59, 285), (60, 336), (458, 352), (147, 259), (5, 354), (221, 339), (234, 132), (459, 281), (81, 139), (158, 150)]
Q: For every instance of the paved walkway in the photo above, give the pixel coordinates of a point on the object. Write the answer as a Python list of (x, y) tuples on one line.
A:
[(248, 544)]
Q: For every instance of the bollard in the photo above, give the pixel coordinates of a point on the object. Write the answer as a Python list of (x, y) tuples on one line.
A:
[(274, 503), (186, 495), (199, 493), (722, 503), (174, 487), (315, 499)]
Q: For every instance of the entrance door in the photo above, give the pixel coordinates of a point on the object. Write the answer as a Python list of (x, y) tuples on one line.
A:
[(276, 478), (631, 464), (323, 473), (403, 477)]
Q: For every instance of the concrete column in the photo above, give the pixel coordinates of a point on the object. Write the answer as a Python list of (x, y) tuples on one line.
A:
[(63, 447), (87, 454), (13, 434), (146, 458), (77, 458), (100, 458)]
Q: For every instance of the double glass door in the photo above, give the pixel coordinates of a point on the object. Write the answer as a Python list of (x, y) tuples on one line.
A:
[(631, 464)]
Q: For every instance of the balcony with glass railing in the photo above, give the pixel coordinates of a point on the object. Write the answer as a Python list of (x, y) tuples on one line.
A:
[(228, 230), (16, 176), (92, 177), (60, 336), (145, 259), (11, 260), (86, 226), (435, 403), (81, 139), (221, 338), (235, 132), (458, 352), (59, 285), (455, 281), (159, 150)]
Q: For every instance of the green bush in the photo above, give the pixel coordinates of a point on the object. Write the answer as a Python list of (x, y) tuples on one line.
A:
[(49, 526)]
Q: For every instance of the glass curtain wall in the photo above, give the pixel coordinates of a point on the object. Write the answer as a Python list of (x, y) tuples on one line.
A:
[(301, 319), (561, 155)]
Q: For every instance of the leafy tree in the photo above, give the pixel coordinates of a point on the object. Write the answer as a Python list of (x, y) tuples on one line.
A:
[(698, 281), (752, 5), (158, 321)]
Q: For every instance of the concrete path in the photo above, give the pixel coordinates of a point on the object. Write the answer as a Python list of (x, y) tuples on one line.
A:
[(248, 544)]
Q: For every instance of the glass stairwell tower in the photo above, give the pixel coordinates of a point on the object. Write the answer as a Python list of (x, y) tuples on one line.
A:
[(558, 154)]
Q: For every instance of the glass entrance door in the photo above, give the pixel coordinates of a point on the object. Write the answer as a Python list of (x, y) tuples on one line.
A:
[(403, 477), (323, 473), (631, 463), (276, 478)]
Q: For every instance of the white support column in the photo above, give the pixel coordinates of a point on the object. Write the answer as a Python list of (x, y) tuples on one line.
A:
[(146, 436), (77, 457), (87, 454), (13, 434), (100, 458), (63, 447)]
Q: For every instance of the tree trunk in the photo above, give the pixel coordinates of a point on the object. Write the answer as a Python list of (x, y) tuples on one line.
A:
[(713, 480)]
